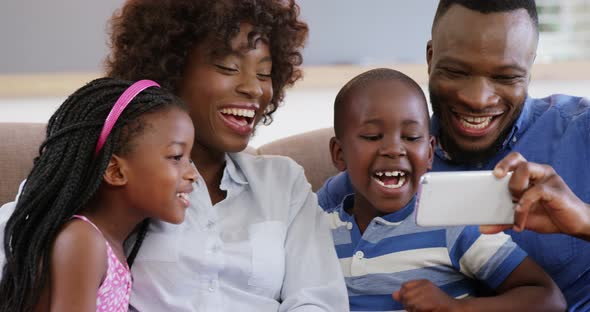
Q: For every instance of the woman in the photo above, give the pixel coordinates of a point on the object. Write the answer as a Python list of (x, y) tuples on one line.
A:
[(254, 238)]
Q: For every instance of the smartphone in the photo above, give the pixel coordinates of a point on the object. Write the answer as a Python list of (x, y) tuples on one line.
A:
[(464, 198)]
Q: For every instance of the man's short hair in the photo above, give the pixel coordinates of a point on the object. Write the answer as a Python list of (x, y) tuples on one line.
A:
[(489, 6)]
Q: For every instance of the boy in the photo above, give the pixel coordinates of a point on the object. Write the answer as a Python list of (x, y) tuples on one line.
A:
[(382, 139)]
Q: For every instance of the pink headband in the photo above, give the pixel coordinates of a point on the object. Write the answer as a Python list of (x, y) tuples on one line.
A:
[(118, 108)]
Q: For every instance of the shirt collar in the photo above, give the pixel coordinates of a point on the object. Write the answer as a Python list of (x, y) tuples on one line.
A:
[(393, 217), (232, 174), (522, 122)]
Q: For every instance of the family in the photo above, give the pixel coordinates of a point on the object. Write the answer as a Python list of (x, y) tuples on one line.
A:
[(142, 197)]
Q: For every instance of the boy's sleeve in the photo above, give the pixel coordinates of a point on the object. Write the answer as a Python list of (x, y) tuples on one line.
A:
[(334, 190), (487, 258)]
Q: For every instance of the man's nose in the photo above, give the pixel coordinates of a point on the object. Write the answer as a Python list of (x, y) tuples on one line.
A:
[(478, 93)]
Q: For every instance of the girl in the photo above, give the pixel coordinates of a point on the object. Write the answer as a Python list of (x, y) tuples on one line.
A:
[(254, 238), (96, 178)]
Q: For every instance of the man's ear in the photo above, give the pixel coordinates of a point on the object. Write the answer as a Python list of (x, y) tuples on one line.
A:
[(115, 174), (337, 155), (429, 54), (431, 145)]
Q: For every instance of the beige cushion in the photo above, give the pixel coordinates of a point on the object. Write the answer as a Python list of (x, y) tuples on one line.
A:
[(19, 144), (311, 150)]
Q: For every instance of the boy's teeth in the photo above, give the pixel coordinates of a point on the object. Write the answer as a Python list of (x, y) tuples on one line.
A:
[(390, 173), (399, 183), (238, 112)]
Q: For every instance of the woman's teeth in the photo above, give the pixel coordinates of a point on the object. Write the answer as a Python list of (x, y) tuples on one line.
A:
[(239, 112), (475, 122)]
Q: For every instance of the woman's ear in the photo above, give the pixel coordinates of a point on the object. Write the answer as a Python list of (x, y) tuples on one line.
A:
[(115, 173), (431, 145), (337, 155)]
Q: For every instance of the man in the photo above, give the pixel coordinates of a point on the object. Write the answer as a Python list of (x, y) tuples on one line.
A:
[(479, 64)]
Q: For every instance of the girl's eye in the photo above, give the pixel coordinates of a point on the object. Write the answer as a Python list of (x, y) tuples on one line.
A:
[(176, 157)]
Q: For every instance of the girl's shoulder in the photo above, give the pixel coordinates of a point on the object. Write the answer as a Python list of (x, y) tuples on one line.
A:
[(79, 246)]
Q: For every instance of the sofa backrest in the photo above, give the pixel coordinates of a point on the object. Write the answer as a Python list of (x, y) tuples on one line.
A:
[(19, 144)]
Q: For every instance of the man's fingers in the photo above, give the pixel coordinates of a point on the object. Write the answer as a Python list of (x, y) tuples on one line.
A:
[(493, 229), (508, 163), (529, 213), (527, 174)]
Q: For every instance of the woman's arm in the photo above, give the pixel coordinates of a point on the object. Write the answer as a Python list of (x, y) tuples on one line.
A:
[(313, 277), (78, 266)]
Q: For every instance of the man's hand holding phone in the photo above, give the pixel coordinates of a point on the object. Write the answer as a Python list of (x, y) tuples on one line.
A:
[(544, 203)]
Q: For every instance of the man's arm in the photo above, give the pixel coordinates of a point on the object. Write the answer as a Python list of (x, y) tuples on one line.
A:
[(545, 203)]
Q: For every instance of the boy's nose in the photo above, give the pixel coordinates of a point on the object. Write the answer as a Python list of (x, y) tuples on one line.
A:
[(392, 148)]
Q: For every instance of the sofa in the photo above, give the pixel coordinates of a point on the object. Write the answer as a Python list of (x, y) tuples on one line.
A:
[(19, 144)]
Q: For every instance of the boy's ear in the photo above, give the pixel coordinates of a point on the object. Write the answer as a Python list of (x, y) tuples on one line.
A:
[(115, 174), (337, 155), (432, 142)]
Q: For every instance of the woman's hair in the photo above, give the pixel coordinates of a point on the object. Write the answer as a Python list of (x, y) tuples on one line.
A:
[(65, 176), (153, 39)]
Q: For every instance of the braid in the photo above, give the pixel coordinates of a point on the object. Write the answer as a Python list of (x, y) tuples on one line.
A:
[(65, 176), (141, 232)]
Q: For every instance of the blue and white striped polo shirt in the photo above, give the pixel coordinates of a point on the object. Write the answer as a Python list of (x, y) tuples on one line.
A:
[(394, 250)]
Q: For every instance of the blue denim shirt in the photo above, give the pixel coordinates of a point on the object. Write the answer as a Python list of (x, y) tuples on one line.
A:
[(556, 131)]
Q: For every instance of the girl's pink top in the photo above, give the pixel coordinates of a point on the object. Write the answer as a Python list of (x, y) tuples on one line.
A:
[(113, 293)]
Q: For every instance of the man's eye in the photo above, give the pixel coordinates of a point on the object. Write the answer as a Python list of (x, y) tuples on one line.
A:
[(454, 72), (507, 78)]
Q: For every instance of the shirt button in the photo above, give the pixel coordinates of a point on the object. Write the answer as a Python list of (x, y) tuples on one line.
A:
[(212, 285), (514, 139), (359, 254), (349, 226)]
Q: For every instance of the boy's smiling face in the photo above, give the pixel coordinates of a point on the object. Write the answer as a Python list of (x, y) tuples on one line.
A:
[(384, 144)]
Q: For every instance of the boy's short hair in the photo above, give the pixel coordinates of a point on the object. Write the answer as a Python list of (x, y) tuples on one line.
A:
[(361, 81)]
